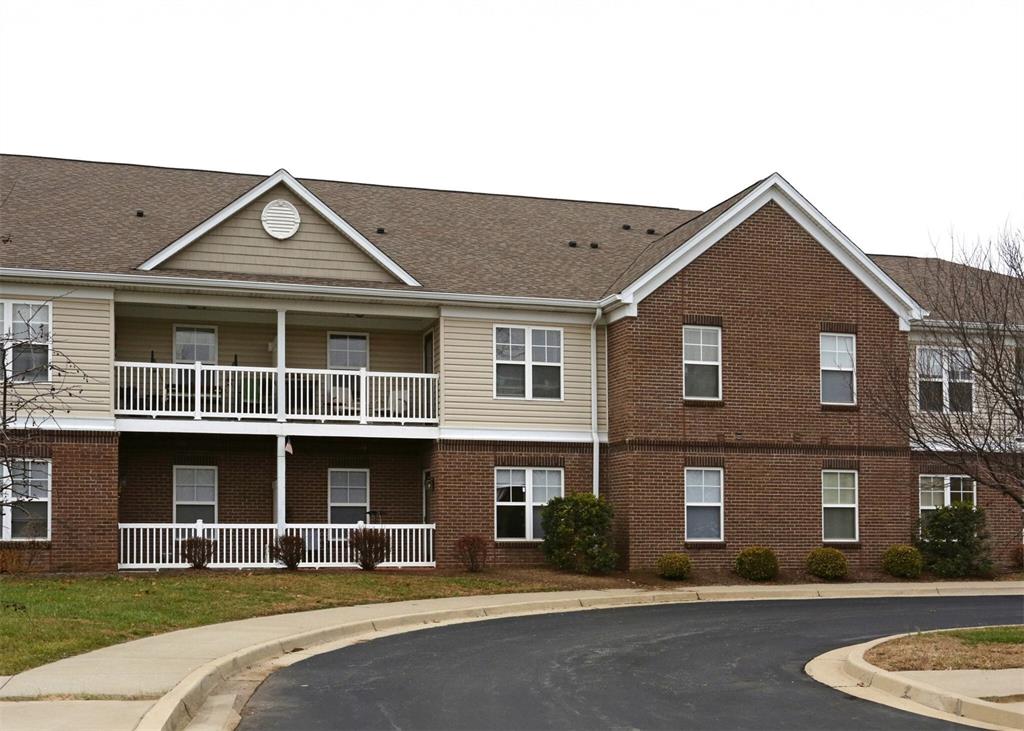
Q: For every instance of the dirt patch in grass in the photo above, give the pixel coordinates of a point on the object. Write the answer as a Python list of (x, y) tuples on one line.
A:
[(985, 649)]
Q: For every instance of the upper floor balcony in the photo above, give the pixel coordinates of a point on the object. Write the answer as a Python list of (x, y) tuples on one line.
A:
[(202, 364)]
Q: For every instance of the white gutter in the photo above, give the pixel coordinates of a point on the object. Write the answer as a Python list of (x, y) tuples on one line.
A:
[(593, 405), (98, 278)]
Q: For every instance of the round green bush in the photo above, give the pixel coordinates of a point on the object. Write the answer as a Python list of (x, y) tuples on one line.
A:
[(902, 561), (827, 563), (674, 566), (757, 563), (578, 534)]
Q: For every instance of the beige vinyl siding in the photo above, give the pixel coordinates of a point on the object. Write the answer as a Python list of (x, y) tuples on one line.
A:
[(81, 357), (602, 379), (467, 378), (306, 347), (139, 338), (240, 245)]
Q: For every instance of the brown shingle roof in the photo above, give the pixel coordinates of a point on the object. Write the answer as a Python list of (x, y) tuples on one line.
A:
[(80, 216)]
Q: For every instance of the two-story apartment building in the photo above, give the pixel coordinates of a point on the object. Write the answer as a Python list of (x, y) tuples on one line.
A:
[(242, 356)]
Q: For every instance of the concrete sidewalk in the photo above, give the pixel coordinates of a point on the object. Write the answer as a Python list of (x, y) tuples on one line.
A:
[(161, 681)]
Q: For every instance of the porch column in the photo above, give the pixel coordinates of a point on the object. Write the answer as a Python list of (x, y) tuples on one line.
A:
[(280, 366), (281, 490)]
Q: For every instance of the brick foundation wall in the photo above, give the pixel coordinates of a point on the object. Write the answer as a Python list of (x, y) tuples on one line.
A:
[(83, 529)]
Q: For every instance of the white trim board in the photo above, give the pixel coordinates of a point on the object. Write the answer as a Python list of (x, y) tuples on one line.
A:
[(282, 177), (778, 189)]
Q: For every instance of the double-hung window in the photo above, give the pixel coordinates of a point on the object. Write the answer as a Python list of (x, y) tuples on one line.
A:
[(348, 351), (527, 362), (945, 380), (195, 494), (704, 519), (938, 491), (839, 505), (193, 343), (26, 330), (349, 495), (520, 494), (702, 363), (26, 501), (838, 368)]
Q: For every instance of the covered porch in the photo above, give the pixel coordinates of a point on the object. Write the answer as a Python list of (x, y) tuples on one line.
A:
[(244, 491)]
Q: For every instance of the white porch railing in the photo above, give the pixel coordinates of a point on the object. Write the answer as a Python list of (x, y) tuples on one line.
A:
[(238, 392), (247, 545)]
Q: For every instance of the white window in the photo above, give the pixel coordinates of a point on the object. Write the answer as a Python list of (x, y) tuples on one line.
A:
[(26, 501), (938, 491), (348, 351), (702, 363), (195, 494), (192, 343), (348, 495), (839, 505), (945, 380), (527, 362), (520, 493), (704, 505), (838, 368), (27, 330)]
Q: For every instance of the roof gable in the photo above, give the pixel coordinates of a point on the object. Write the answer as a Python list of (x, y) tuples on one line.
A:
[(204, 237), (695, 237)]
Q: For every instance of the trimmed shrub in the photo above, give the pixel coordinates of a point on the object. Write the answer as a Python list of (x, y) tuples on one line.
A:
[(827, 563), (757, 563), (902, 561), (954, 542), (288, 550), (471, 550), (674, 566), (577, 534), (370, 546), (197, 551)]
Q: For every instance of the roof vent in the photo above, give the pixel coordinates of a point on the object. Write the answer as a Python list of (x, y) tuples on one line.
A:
[(651, 231), (280, 219), (593, 244), (139, 212), (572, 244), (626, 227), (380, 229)]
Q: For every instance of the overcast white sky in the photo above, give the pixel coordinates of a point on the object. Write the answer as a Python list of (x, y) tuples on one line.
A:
[(899, 120)]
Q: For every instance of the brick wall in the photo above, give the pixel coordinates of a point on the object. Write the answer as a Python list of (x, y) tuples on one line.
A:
[(83, 530)]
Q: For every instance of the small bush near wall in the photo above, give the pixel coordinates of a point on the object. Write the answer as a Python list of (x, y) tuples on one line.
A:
[(674, 566), (954, 542), (757, 563), (197, 551), (471, 551), (288, 550), (577, 534), (370, 546), (902, 561), (827, 563)]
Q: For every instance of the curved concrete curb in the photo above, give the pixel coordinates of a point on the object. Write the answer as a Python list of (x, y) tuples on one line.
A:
[(178, 707), (898, 689)]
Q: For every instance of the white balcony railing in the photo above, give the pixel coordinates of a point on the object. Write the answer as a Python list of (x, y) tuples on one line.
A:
[(247, 545), (235, 392)]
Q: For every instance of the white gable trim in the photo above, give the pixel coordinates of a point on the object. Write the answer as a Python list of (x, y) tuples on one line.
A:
[(774, 188), (282, 177)]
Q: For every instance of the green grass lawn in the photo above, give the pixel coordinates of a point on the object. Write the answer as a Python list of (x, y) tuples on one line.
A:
[(45, 618), (1012, 635)]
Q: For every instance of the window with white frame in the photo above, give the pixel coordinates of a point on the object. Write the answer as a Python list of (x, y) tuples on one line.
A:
[(839, 505), (26, 329), (520, 494), (702, 363), (193, 343), (349, 495), (838, 368), (705, 518), (348, 351), (938, 491), (527, 362), (945, 380), (26, 501), (195, 494)]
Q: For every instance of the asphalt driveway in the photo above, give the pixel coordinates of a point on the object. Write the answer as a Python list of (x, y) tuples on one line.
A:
[(733, 665)]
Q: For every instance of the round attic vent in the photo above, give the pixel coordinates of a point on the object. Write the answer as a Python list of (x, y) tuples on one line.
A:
[(280, 219)]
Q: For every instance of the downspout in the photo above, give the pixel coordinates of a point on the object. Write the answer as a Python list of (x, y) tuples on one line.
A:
[(593, 404)]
